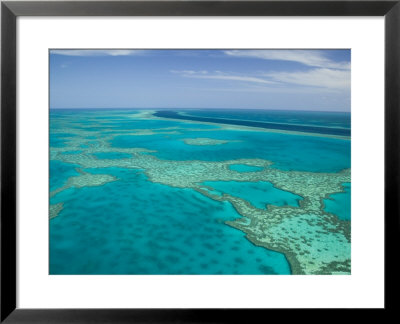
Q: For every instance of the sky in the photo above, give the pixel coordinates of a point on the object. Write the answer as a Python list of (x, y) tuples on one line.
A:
[(316, 80)]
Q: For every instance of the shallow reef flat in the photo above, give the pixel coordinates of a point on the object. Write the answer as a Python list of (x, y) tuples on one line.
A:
[(55, 209), (204, 141), (313, 240), (85, 180)]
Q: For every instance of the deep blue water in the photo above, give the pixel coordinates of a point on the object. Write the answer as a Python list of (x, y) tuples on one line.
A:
[(289, 117), (319, 128)]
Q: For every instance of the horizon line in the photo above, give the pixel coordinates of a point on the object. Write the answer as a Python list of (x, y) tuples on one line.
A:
[(189, 108)]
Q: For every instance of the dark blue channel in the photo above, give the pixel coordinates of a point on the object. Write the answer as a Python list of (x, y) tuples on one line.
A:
[(296, 128)]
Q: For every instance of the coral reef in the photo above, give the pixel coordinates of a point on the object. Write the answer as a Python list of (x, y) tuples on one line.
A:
[(205, 141), (313, 241)]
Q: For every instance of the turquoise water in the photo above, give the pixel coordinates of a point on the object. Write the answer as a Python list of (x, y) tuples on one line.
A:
[(259, 194), (340, 203), (245, 168), (317, 154), (149, 228), (57, 141), (60, 172), (134, 226)]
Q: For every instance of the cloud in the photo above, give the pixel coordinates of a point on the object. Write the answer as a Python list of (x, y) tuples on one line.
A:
[(319, 78), (218, 75), (189, 72), (99, 52), (313, 58)]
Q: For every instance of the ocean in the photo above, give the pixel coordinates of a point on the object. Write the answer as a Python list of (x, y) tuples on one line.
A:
[(199, 192)]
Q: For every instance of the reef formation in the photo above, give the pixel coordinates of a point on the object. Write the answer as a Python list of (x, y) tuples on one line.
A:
[(313, 241), (204, 141)]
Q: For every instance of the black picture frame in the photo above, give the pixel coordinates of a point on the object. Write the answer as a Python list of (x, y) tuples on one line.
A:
[(10, 10)]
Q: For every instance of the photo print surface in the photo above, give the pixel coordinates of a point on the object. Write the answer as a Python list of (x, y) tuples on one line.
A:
[(200, 162)]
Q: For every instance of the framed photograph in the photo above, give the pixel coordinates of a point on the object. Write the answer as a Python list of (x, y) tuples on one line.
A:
[(163, 159)]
